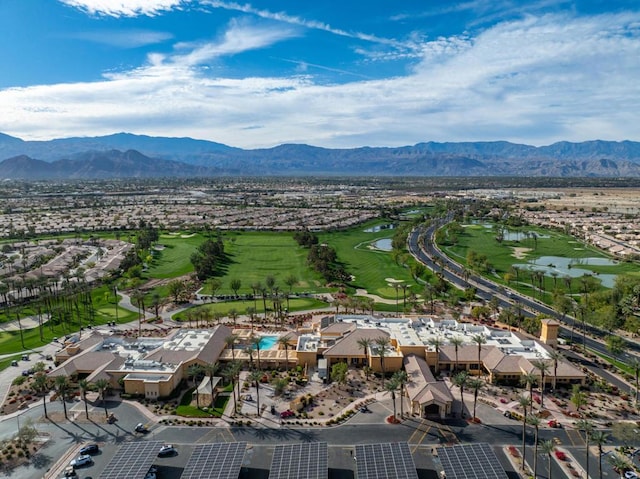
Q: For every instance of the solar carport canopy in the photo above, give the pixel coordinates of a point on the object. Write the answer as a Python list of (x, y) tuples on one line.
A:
[(471, 461), (215, 461), (132, 460), (300, 461), (385, 461)]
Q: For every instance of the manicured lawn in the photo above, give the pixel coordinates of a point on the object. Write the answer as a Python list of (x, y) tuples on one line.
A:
[(185, 409), (175, 258), (295, 304), (370, 267)]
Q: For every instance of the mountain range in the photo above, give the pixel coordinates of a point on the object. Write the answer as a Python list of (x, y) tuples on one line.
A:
[(125, 155)]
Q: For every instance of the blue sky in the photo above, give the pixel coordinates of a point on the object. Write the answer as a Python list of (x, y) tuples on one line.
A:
[(329, 73)]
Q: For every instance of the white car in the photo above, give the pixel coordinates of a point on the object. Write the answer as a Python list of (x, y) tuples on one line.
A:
[(630, 475), (82, 460), (167, 450)]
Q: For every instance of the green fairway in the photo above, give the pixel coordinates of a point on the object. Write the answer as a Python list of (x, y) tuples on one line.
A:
[(371, 268), (255, 255), (173, 257), (502, 257)]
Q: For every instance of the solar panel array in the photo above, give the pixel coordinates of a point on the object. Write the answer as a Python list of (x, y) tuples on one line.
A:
[(215, 461), (471, 461), (391, 460), (300, 461), (132, 460)]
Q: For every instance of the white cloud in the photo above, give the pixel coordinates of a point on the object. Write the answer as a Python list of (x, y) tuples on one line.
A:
[(536, 80), (125, 8)]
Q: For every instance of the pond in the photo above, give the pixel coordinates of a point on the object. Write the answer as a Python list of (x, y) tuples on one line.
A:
[(375, 229), (383, 244), (571, 267)]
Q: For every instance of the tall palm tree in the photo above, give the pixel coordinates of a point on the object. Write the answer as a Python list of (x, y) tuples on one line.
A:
[(479, 339), (230, 341), (85, 386), (391, 387), (102, 385), (41, 383), (436, 342), (401, 378), (586, 426), (461, 379), (284, 342), (382, 342), (556, 356), (231, 374), (255, 340), (543, 367), (61, 384), (476, 384), (528, 380), (210, 369), (547, 448), (619, 463), (535, 422), (193, 371), (365, 344), (254, 377), (524, 403), (456, 341), (599, 438)]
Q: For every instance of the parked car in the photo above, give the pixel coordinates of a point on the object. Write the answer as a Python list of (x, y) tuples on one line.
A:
[(90, 449), (69, 472), (630, 475), (167, 450), (141, 428), (14, 363), (82, 460), (287, 413), (555, 424)]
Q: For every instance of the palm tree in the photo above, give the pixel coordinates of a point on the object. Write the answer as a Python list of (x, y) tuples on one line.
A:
[(586, 426), (62, 387), (193, 371), (41, 383), (401, 378), (556, 356), (102, 385), (255, 340), (479, 339), (599, 438), (524, 403), (382, 342), (436, 342), (543, 367), (254, 377), (619, 463), (535, 422), (137, 297), (365, 344), (476, 384), (391, 387), (547, 448), (231, 374), (85, 386), (284, 342), (251, 312), (456, 341), (210, 369), (528, 380), (230, 341), (461, 379)]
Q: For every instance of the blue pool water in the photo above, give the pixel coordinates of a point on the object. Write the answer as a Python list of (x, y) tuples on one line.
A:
[(268, 342)]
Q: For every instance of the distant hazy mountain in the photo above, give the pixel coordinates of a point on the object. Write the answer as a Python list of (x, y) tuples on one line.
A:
[(126, 155)]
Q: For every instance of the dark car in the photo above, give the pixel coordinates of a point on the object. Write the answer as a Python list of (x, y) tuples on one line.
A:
[(287, 413), (90, 449)]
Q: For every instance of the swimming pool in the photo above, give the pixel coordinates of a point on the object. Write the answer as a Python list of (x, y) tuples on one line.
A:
[(268, 342)]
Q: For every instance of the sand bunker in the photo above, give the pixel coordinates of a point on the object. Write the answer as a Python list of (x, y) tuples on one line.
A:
[(392, 280), (520, 252)]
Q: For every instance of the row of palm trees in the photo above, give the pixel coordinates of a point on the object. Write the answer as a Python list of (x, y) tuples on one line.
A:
[(63, 388)]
